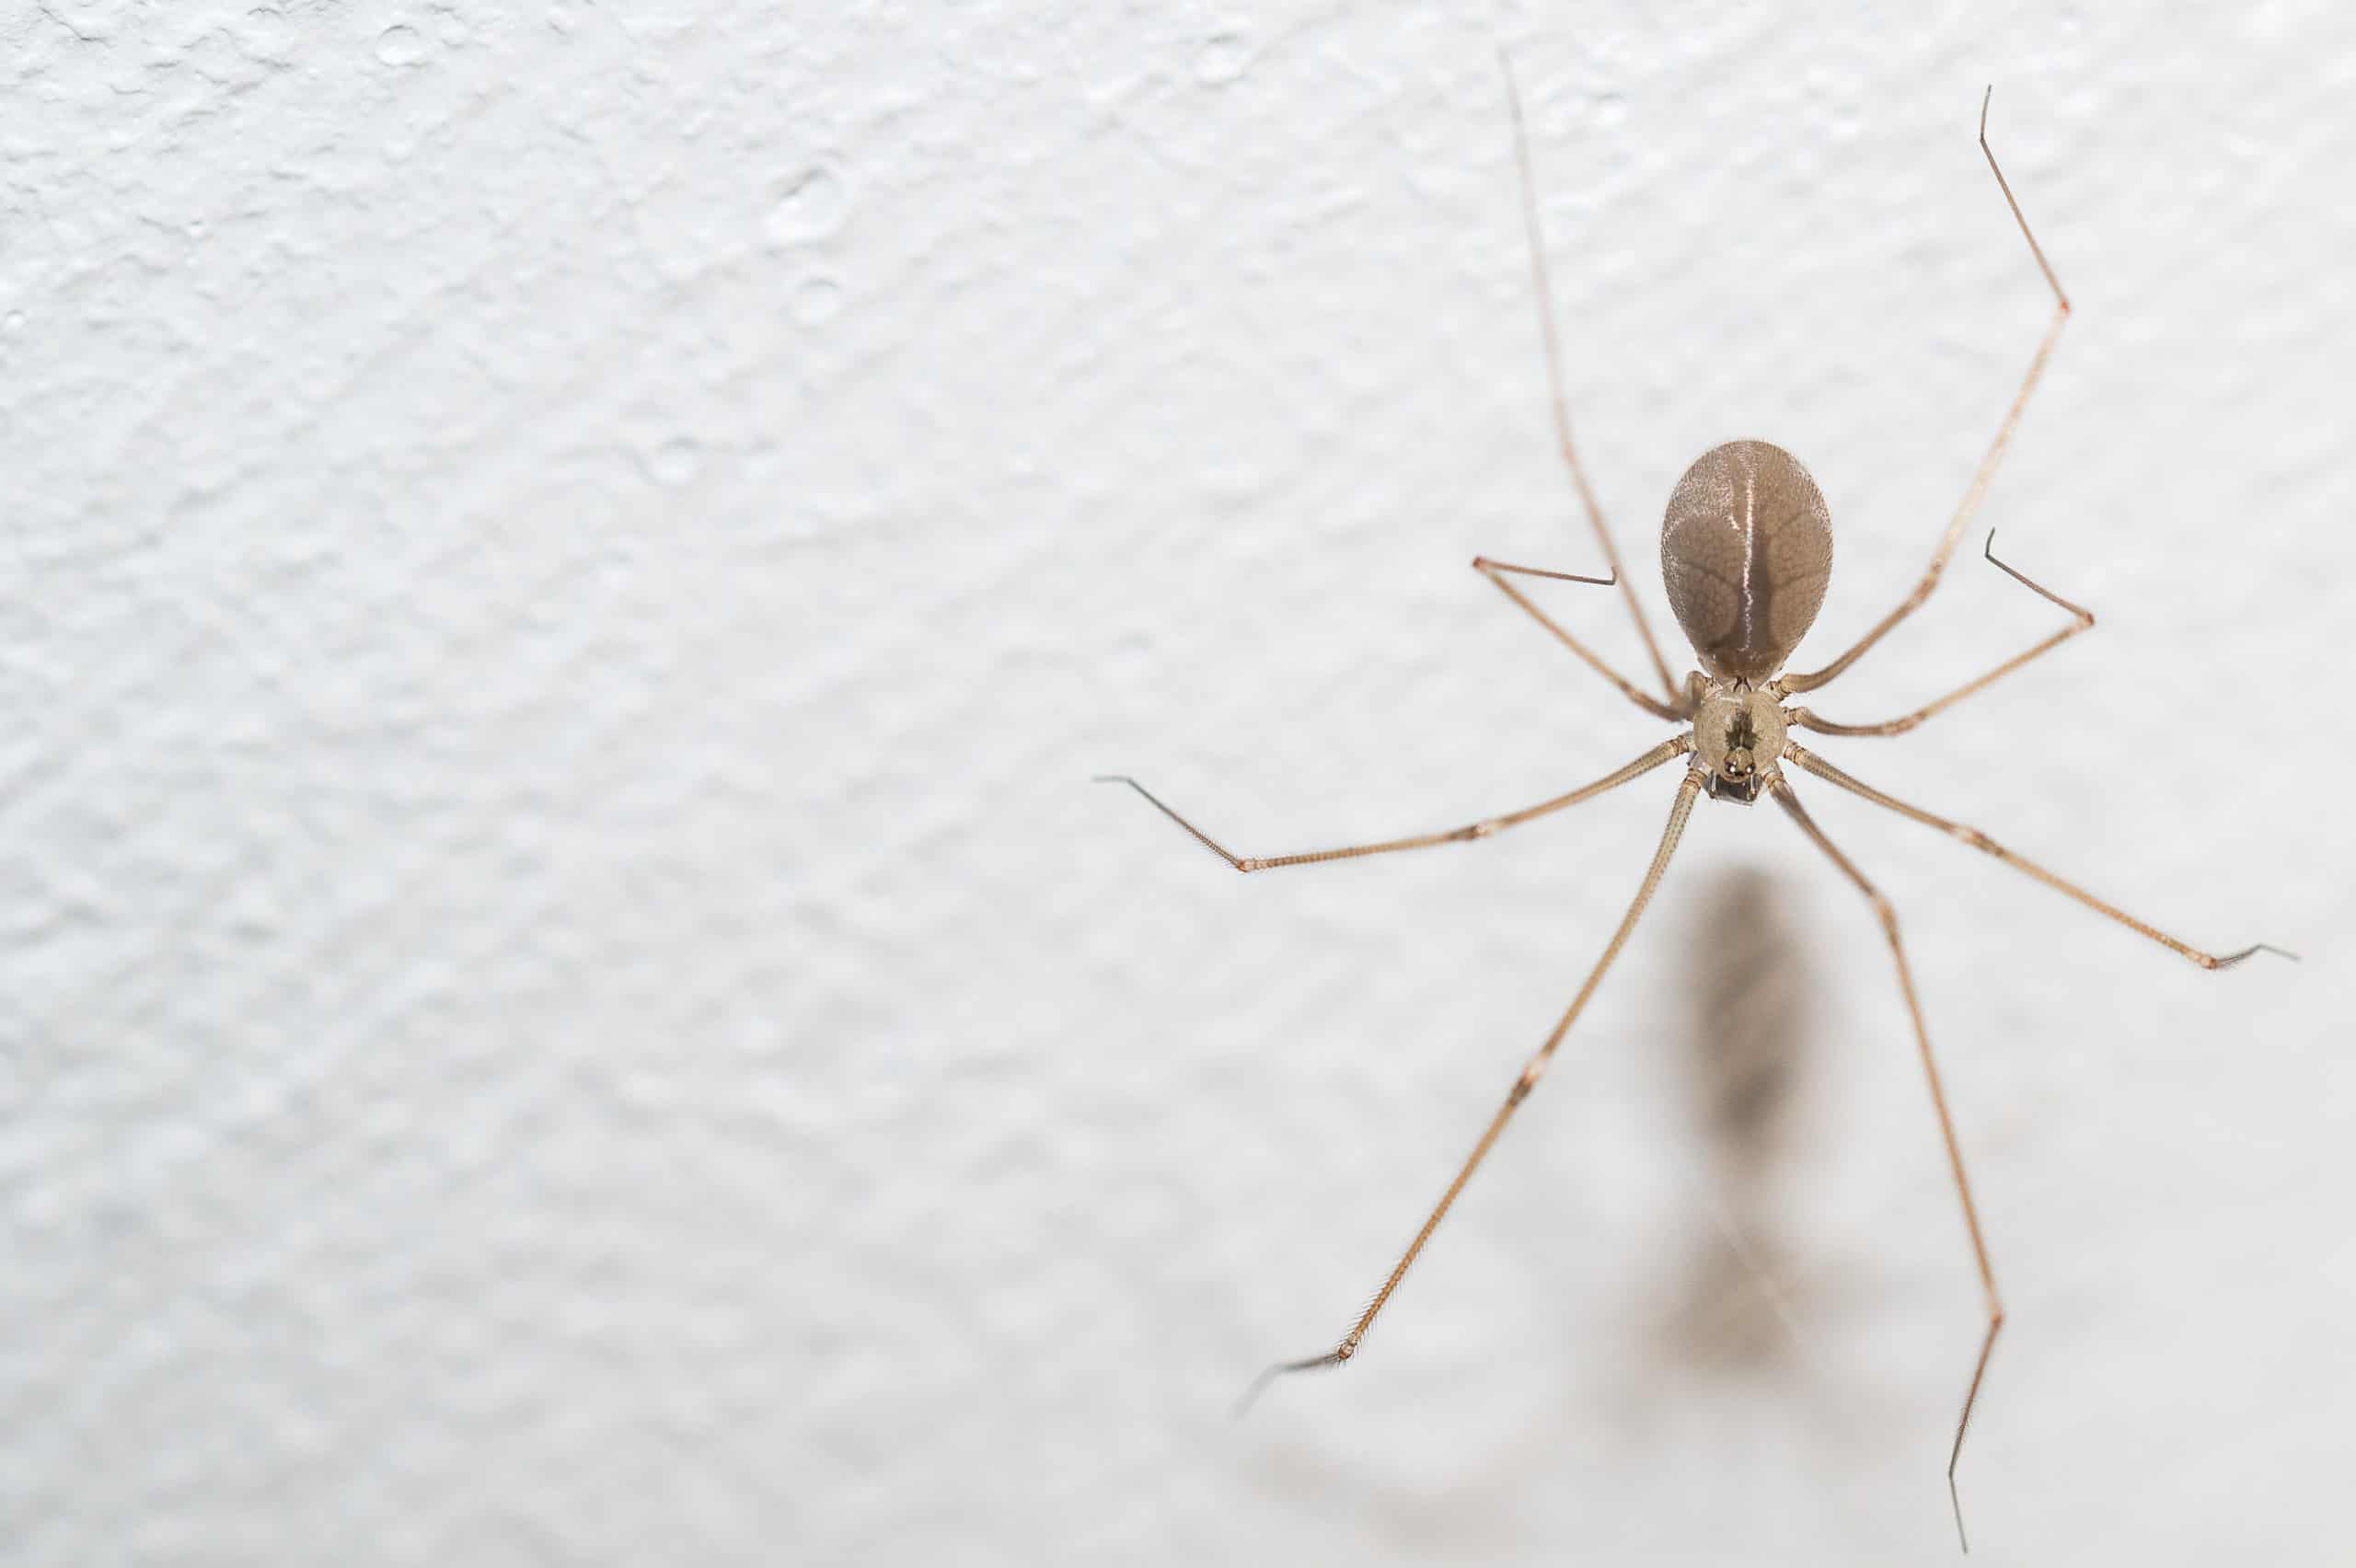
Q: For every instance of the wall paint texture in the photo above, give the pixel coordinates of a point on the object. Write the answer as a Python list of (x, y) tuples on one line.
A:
[(569, 998)]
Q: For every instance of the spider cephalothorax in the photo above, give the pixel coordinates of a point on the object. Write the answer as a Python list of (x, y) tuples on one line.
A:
[(1738, 734)]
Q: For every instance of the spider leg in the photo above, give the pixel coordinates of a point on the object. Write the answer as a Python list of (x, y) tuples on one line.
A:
[(1889, 918), (1988, 845), (1554, 347), (1645, 701), (1971, 497), (2082, 619), (1535, 1069), (1674, 747)]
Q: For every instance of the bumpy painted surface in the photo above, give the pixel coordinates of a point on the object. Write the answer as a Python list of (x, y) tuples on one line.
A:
[(567, 999)]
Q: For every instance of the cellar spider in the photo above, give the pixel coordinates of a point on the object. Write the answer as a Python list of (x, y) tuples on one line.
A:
[(1746, 553)]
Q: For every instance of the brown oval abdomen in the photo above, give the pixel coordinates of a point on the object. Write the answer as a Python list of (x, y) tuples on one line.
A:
[(1747, 550)]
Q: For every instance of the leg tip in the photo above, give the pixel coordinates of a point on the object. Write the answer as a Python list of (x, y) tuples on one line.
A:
[(2229, 960)]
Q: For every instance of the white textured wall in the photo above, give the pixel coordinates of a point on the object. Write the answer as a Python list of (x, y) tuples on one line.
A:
[(568, 1000)]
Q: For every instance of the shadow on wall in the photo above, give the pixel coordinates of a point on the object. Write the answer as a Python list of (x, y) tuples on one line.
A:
[(1731, 1310), (1743, 1045)]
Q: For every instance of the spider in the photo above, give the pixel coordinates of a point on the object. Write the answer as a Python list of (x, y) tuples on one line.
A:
[(1746, 554)]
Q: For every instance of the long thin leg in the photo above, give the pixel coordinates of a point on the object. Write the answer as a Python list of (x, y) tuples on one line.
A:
[(1562, 406), (2082, 619), (1971, 497), (1668, 749), (1650, 703), (1483, 563), (1980, 841), (1889, 918), (1531, 1072)]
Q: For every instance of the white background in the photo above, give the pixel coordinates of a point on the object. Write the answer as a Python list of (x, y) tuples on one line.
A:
[(568, 998)]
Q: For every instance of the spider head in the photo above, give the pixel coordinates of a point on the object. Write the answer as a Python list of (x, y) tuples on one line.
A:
[(1738, 734)]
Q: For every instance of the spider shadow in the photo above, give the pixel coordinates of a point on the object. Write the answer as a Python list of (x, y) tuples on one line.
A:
[(1726, 1311), (1749, 1016)]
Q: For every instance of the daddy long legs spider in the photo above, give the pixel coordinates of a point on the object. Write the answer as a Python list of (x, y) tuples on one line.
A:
[(1746, 553)]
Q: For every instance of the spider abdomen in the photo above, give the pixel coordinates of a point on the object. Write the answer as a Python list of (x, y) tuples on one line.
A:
[(1745, 550)]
